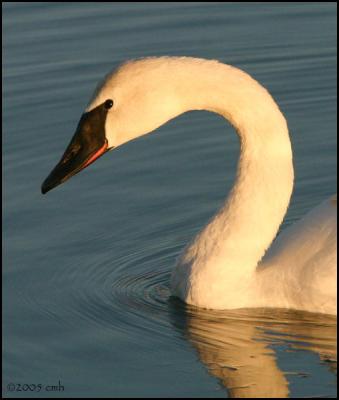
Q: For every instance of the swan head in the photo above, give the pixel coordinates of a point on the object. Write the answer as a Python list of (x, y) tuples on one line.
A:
[(129, 102)]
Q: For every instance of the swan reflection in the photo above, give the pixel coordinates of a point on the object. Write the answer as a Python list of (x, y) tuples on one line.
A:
[(238, 347)]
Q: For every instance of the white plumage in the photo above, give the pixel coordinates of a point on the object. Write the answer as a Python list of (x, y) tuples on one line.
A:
[(225, 266)]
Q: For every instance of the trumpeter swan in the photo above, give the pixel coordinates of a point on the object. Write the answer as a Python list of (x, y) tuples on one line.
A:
[(225, 266)]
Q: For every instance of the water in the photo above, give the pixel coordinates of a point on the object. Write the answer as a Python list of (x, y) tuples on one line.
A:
[(86, 267)]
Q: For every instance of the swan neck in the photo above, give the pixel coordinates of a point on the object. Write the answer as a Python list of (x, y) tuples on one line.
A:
[(229, 247)]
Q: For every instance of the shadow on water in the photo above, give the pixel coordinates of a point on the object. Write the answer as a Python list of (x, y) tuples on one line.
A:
[(239, 347)]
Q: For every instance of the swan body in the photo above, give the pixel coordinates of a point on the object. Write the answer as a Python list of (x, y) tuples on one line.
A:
[(227, 264)]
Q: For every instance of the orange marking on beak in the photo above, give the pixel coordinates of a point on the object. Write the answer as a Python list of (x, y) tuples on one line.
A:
[(96, 155)]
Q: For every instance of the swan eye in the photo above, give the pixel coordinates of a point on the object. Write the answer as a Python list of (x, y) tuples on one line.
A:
[(108, 104)]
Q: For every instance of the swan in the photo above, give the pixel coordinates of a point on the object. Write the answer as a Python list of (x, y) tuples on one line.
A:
[(230, 263)]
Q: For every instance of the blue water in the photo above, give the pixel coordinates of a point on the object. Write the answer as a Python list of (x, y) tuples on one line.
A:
[(85, 268)]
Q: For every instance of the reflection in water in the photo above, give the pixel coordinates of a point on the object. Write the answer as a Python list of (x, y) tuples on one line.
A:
[(237, 347)]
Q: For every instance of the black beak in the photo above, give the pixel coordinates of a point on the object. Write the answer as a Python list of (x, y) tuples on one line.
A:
[(88, 144)]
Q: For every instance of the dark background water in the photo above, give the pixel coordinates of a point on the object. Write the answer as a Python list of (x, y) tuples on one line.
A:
[(86, 268)]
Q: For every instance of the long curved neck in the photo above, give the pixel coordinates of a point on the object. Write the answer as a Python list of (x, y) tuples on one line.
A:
[(238, 235), (229, 248)]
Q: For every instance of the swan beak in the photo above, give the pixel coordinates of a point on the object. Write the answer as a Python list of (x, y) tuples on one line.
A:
[(87, 145)]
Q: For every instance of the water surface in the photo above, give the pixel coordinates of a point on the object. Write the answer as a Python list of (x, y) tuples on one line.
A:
[(86, 267)]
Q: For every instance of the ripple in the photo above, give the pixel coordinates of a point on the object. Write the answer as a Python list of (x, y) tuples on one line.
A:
[(127, 296)]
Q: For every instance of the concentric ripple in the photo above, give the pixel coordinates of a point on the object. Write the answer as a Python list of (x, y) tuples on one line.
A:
[(127, 298), (129, 294)]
